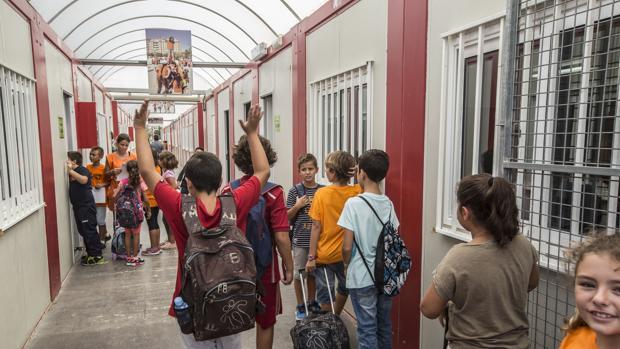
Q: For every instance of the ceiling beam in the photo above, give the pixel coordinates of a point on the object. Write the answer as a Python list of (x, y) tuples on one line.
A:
[(173, 98), (130, 90), (127, 63)]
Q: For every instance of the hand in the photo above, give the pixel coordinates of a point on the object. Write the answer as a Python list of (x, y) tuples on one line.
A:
[(250, 126), (302, 201), (141, 115), (310, 266), (99, 186), (352, 171), (70, 165), (148, 214), (288, 276)]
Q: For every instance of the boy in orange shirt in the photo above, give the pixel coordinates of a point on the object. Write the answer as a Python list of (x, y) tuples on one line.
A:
[(326, 236), (97, 171)]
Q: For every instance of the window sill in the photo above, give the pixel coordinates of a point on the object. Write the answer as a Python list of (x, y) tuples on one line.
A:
[(21, 217), (455, 234)]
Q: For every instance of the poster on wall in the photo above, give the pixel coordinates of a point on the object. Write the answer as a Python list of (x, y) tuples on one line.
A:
[(161, 107), (169, 57)]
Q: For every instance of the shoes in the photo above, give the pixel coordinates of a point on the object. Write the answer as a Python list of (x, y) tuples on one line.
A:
[(139, 260), (300, 313), (89, 261), (152, 251), (131, 262), (107, 238), (168, 245), (315, 308)]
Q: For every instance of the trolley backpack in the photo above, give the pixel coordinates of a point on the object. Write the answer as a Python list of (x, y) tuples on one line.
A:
[(392, 259), (129, 213), (219, 274)]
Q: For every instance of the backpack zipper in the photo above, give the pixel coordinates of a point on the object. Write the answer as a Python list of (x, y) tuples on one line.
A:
[(196, 254)]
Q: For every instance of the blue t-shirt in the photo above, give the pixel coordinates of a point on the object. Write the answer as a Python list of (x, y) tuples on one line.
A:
[(358, 218)]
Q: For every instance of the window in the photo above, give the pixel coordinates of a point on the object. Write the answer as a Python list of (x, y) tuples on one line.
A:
[(20, 167), (340, 115), (267, 126), (468, 105)]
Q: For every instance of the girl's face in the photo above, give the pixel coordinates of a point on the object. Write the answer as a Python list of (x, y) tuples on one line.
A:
[(597, 293), (122, 147)]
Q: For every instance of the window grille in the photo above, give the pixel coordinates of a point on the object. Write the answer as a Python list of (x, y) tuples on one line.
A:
[(564, 153), (340, 115), (20, 165)]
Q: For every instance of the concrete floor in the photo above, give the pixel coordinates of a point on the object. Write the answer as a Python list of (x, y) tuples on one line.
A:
[(115, 306)]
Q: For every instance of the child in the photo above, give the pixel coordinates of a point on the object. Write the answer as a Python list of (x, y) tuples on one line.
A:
[(84, 209), (153, 221), (326, 236), (96, 169), (596, 323), (496, 270), (277, 220), (298, 204), (168, 162), (204, 177), (372, 307), (132, 233)]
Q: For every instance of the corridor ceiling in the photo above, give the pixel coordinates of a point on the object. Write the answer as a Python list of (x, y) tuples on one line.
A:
[(222, 31)]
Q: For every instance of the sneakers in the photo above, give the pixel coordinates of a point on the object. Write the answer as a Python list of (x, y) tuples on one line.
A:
[(152, 251), (300, 313), (315, 308), (130, 262), (89, 260), (168, 245)]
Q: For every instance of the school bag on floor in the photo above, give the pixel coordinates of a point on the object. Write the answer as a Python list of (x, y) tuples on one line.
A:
[(392, 259), (320, 331), (129, 213), (219, 274)]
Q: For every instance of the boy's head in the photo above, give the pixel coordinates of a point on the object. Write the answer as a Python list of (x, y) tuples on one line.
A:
[(167, 160), (198, 149), (243, 158), (156, 137), (307, 167), (203, 172), (75, 156), (372, 165), (96, 154), (337, 166)]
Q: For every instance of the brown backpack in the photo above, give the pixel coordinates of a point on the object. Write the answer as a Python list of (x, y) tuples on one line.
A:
[(219, 274)]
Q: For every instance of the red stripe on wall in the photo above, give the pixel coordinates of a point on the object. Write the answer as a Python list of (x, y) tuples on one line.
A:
[(201, 124), (299, 96)]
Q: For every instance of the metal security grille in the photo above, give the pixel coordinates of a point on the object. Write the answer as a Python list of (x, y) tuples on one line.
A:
[(562, 146)]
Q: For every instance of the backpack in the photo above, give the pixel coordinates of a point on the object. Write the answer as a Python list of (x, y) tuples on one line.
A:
[(258, 231), (129, 213), (300, 189), (218, 274), (392, 259)]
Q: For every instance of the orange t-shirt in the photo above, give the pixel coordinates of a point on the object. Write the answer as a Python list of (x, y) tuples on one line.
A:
[(326, 208), (580, 338), (98, 174), (114, 161), (149, 196)]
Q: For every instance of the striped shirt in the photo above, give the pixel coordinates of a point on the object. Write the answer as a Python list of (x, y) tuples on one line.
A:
[(302, 224)]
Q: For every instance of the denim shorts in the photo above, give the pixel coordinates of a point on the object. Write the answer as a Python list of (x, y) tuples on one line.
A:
[(334, 271)]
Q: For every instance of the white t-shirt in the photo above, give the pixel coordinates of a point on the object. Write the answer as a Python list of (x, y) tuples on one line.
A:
[(359, 218)]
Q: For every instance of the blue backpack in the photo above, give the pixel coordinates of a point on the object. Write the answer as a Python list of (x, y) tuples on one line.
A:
[(258, 232)]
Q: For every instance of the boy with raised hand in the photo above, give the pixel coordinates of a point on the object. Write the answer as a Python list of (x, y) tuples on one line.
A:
[(372, 307), (204, 177)]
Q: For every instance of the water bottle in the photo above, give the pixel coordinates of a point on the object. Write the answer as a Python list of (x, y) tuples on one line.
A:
[(184, 318)]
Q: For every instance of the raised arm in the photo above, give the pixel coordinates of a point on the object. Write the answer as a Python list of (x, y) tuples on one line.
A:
[(143, 148), (259, 158)]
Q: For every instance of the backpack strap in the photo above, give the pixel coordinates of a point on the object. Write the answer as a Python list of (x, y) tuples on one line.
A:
[(300, 188), (372, 277), (375, 212), (229, 210), (190, 214), (268, 187)]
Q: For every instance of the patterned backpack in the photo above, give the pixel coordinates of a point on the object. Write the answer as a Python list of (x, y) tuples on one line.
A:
[(392, 259), (129, 213)]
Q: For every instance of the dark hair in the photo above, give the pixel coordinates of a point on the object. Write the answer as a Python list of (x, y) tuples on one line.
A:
[(243, 158), (307, 158), (199, 148), (134, 173), (75, 156), (123, 137), (205, 171), (340, 162), (375, 163), (97, 148), (156, 137), (493, 204), (168, 160)]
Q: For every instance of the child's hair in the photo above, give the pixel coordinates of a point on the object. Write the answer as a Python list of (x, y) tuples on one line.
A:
[(307, 158), (493, 204), (375, 163), (168, 160), (99, 149), (134, 173), (341, 163), (243, 158), (123, 137), (75, 156), (199, 149), (204, 170), (598, 243)]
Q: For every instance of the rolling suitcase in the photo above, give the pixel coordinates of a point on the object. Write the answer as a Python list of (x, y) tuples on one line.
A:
[(319, 331)]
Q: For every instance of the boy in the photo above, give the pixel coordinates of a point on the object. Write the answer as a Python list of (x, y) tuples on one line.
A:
[(277, 220), (372, 307), (204, 177), (84, 209), (97, 171), (325, 251), (298, 203)]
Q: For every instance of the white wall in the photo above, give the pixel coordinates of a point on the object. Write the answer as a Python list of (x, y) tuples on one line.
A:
[(242, 90), (275, 79), (15, 41), (443, 16), (211, 126), (223, 99), (85, 91)]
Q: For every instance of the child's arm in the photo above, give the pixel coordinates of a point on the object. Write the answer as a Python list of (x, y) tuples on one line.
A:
[(299, 204), (432, 304), (147, 205), (143, 148), (259, 158), (347, 247), (73, 174), (534, 276), (173, 182), (315, 234)]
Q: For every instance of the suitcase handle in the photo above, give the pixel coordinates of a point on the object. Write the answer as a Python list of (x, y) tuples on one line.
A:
[(304, 285)]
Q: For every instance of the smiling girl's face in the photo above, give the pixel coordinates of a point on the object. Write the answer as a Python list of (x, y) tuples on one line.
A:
[(597, 293)]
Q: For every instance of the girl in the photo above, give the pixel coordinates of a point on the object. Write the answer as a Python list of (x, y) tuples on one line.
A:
[(596, 323), (168, 162), (132, 235), (114, 165), (485, 282)]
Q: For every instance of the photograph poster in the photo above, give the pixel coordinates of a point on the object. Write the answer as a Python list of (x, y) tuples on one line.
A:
[(169, 57), (161, 107)]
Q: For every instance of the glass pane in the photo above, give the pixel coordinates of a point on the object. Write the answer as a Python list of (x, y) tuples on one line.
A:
[(561, 201), (469, 112), (487, 116), (364, 118)]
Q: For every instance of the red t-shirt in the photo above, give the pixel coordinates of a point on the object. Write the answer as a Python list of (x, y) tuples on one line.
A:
[(277, 218), (169, 201)]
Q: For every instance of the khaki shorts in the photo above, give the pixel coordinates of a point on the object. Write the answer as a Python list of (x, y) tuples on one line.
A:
[(300, 258)]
